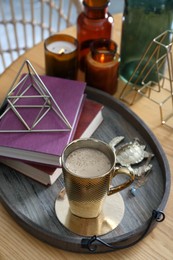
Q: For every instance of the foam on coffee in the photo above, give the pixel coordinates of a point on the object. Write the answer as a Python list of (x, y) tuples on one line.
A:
[(88, 162)]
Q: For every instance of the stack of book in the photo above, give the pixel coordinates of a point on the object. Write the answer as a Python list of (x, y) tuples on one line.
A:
[(37, 153)]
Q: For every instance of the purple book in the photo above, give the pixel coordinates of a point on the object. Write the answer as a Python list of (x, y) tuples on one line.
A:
[(46, 146)]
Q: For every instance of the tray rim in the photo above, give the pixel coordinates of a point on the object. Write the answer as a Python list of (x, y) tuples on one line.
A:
[(50, 237)]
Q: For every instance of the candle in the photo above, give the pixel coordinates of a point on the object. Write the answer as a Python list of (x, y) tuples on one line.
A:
[(61, 56), (61, 47), (102, 64)]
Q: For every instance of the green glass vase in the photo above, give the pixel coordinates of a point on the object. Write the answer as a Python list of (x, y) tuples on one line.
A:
[(142, 22)]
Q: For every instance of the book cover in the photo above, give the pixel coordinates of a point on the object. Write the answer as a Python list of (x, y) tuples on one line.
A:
[(44, 174), (44, 147), (91, 117)]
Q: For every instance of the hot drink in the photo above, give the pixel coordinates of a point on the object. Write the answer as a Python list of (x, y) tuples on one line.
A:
[(88, 162), (88, 168)]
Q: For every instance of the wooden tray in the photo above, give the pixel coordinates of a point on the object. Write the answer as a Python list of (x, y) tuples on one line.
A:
[(32, 204)]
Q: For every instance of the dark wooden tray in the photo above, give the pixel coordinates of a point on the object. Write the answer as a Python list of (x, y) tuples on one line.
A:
[(32, 204)]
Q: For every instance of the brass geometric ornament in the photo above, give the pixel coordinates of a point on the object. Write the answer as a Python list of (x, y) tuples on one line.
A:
[(28, 94), (159, 91)]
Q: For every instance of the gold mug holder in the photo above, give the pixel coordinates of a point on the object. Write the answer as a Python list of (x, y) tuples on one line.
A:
[(160, 92), (110, 217)]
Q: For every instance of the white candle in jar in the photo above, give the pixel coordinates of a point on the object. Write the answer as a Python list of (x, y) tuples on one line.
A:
[(61, 56), (61, 47)]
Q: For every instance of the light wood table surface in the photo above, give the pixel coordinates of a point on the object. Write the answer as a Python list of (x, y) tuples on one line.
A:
[(15, 243)]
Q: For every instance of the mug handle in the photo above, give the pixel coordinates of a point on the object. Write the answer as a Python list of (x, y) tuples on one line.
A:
[(120, 170)]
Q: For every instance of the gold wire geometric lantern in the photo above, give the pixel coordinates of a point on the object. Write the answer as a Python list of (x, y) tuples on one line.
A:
[(159, 90)]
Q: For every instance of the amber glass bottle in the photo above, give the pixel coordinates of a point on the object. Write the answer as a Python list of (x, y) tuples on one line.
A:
[(93, 23)]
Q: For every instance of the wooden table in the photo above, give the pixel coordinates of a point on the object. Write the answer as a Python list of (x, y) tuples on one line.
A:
[(15, 243)]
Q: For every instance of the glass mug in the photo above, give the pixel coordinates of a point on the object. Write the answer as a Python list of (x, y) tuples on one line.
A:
[(88, 167)]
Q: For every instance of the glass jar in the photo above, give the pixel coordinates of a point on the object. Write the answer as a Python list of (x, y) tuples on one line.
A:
[(142, 22), (61, 56), (102, 64), (94, 22)]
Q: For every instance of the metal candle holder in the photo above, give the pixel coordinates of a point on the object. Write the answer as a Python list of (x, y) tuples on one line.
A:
[(160, 92)]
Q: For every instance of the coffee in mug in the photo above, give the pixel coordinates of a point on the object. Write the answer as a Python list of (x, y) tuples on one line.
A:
[(88, 162), (88, 167)]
